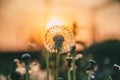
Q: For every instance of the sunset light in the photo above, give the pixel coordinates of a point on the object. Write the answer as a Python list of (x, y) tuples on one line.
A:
[(59, 39), (54, 21)]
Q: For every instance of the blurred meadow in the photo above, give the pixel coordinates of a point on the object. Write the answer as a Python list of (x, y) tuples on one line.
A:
[(94, 23)]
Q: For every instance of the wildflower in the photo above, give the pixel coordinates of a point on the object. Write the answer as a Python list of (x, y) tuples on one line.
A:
[(59, 38)]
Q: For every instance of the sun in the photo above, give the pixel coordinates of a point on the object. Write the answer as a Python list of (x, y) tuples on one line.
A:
[(53, 22)]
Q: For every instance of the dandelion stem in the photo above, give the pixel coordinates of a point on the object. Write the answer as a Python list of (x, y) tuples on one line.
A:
[(27, 74), (69, 75), (47, 65), (74, 69), (72, 52), (57, 64)]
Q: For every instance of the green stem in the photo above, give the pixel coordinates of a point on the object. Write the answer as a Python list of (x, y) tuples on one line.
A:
[(27, 74), (47, 65), (74, 69), (69, 75), (57, 65)]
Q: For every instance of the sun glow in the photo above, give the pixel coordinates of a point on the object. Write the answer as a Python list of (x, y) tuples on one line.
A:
[(53, 22)]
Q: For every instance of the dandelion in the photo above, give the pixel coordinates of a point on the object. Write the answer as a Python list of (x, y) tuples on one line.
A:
[(59, 38), (91, 69), (26, 58)]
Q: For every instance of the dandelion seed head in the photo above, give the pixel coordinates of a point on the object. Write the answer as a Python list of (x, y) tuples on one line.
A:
[(59, 37)]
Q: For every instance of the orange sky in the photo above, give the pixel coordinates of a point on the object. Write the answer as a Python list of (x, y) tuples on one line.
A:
[(23, 22)]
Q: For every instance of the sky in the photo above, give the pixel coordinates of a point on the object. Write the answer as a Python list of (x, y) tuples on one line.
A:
[(23, 23)]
